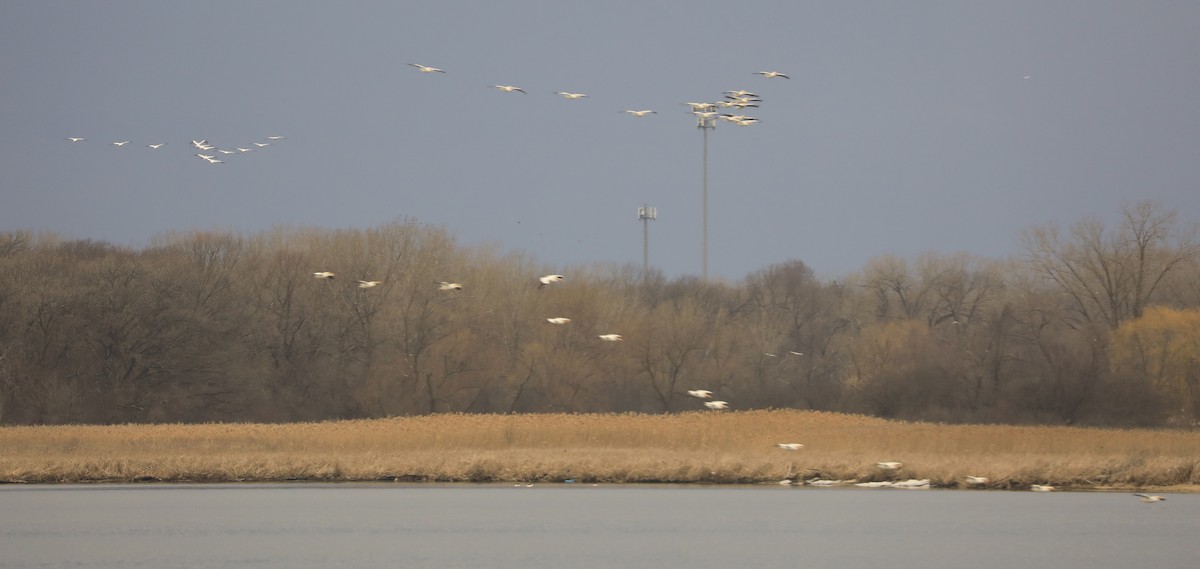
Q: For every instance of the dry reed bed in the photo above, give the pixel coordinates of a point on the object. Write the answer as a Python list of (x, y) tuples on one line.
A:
[(736, 447)]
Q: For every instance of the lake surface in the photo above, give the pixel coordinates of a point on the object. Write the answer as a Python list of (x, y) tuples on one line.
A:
[(583, 526)]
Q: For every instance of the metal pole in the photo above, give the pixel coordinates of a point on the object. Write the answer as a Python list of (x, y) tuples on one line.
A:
[(645, 245), (704, 242)]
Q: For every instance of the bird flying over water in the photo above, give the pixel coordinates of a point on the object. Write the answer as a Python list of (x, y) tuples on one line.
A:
[(1149, 499)]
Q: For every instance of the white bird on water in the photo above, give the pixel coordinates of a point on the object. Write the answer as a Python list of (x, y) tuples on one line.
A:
[(509, 88), (790, 446), (771, 74), (888, 465), (558, 320), (641, 113), (324, 275), (1150, 499), (700, 393), (549, 279), (716, 404), (426, 68), (611, 337), (368, 284)]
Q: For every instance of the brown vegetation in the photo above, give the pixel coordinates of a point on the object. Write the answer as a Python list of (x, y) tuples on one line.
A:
[(220, 327), (694, 447)]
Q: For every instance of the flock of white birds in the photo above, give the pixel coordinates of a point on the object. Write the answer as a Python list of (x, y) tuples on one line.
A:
[(738, 99), (205, 151)]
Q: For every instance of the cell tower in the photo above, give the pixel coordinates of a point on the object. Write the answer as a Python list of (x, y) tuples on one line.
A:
[(706, 120), (646, 214)]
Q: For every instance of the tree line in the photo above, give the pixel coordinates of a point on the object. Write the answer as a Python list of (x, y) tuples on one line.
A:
[(1091, 325)]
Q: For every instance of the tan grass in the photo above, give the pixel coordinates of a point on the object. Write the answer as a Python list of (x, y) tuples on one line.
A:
[(705, 447)]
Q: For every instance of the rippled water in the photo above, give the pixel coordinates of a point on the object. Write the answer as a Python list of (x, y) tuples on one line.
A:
[(581, 526)]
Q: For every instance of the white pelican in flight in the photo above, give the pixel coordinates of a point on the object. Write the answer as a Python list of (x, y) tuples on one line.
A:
[(240, 149), (509, 88), (549, 279), (205, 156), (716, 404), (368, 284), (976, 480), (1149, 499), (262, 144), (558, 320), (76, 138), (1041, 488), (700, 393), (641, 113), (275, 137), (888, 465), (426, 68), (155, 146), (741, 93), (449, 286), (121, 143), (771, 74), (611, 337), (790, 446), (567, 95), (324, 275)]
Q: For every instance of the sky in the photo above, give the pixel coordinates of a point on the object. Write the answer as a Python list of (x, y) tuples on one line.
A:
[(905, 127)]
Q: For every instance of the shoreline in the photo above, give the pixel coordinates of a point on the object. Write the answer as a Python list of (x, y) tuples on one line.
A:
[(700, 448)]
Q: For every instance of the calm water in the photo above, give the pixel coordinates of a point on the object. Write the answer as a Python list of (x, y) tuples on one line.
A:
[(561, 526)]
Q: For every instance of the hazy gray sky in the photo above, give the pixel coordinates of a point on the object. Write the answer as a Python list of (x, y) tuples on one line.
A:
[(905, 127)]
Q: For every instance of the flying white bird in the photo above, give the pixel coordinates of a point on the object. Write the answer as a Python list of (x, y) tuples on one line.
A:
[(368, 284), (324, 275), (240, 149), (1149, 499), (121, 143), (426, 68), (741, 93), (976, 480), (790, 446), (213, 161), (716, 404), (223, 151), (449, 286), (548, 279), (641, 113), (700, 106), (611, 337), (275, 137), (205, 156), (888, 465), (1041, 488), (200, 144), (700, 393), (155, 146), (262, 144), (567, 95), (509, 88), (771, 74), (76, 139), (558, 320)]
